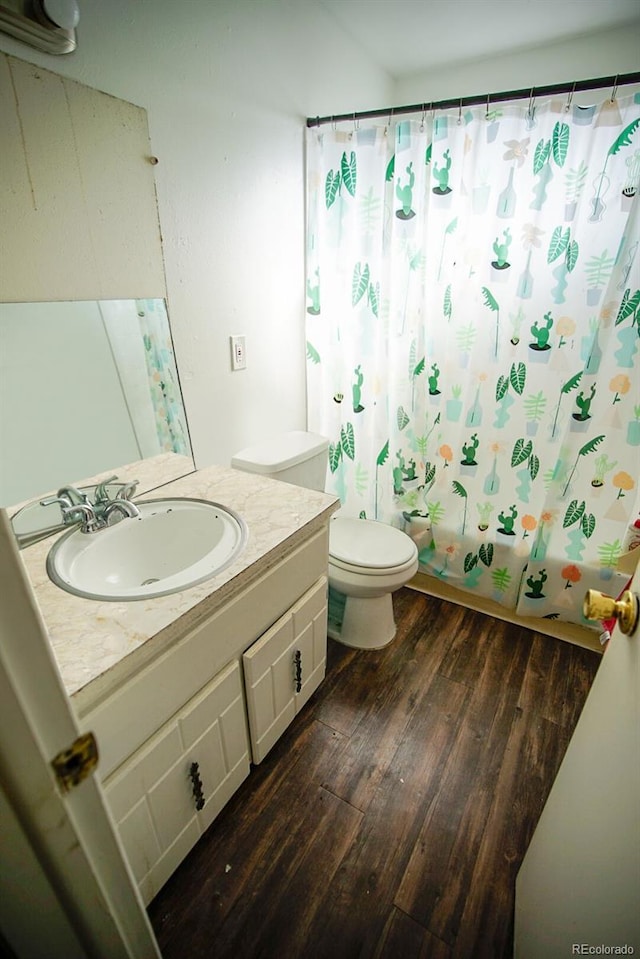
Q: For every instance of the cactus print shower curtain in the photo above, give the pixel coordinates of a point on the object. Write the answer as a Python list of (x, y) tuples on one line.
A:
[(162, 376), (473, 308)]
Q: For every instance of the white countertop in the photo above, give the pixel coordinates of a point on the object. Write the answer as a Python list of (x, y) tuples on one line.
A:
[(97, 645)]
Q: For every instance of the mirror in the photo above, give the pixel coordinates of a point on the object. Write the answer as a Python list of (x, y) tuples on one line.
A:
[(84, 387)]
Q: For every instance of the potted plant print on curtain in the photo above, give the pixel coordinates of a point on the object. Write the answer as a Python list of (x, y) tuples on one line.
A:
[(473, 311)]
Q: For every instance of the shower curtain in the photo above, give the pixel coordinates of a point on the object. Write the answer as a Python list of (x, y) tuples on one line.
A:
[(164, 387), (473, 307)]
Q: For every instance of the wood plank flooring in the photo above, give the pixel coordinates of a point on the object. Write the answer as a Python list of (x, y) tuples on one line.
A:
[(390, 820)]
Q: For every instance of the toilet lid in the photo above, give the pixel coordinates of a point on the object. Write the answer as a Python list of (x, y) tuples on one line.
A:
[(367, 543), (280, 452)]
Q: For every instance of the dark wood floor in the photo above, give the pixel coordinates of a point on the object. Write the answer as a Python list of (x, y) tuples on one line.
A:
[(391, 818)]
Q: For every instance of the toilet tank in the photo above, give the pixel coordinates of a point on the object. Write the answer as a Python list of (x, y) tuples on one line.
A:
[(297, 457)]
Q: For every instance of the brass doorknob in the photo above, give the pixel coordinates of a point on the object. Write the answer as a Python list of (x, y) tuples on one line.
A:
[(600, 606)]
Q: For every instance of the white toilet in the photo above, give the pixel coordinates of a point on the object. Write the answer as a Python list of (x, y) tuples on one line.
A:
[(368, 560)]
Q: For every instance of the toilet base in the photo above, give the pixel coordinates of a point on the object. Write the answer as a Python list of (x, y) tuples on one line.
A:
[(367, 623)]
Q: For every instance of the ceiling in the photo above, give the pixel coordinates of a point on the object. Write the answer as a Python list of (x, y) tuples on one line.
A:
[(412, 36)]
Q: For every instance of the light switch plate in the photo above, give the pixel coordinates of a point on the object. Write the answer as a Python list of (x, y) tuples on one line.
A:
[(238, 352)]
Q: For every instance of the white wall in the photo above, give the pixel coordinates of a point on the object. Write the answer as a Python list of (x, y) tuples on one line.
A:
[(227, 85), (603, 55)]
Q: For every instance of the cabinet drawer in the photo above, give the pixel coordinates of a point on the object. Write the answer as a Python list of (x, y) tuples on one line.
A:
[(151, 795), (284, 667)]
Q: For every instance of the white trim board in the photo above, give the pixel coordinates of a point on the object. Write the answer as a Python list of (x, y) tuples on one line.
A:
[(567, 632)]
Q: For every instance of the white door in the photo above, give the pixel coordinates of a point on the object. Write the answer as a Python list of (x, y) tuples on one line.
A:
[(578, 889), (66, 888)]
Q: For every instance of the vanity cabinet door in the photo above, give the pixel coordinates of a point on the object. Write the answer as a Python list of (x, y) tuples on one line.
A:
[(284, 667), (152, 794)]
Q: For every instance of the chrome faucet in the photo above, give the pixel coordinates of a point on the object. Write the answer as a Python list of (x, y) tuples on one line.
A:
[(76, 507), (124, 506), (92, 521), (85, 513)]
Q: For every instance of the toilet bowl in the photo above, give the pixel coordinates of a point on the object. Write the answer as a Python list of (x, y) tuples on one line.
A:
[(368, 560)]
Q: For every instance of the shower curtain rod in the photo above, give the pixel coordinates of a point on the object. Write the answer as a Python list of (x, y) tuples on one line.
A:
[(488, 98)]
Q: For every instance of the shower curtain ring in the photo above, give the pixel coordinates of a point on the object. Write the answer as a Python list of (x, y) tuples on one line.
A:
[(424, 114), (460, 112), (615, 88), (386, 129), (531, 103), (486, 116), (570, 98)]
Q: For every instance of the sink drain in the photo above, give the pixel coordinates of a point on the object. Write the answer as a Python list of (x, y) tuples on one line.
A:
[(148, 582)]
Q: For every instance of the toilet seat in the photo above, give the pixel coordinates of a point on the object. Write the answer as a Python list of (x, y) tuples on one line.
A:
[(369, 547)]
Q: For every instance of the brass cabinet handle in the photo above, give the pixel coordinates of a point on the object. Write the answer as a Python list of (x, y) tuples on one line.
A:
[(600, 606)]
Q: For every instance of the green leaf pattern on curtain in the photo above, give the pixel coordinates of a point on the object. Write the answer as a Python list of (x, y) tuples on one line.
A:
[(473, 319), (164, 387)]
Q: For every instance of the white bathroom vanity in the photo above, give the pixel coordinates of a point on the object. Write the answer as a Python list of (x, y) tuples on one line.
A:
[(183, 692)]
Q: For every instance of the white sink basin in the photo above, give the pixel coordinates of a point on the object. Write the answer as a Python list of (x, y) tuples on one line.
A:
[(172, 545)]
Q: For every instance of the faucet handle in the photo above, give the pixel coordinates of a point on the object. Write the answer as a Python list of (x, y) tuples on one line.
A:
[(50, 500), (70, 511), (128, 490), (101, 489)]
